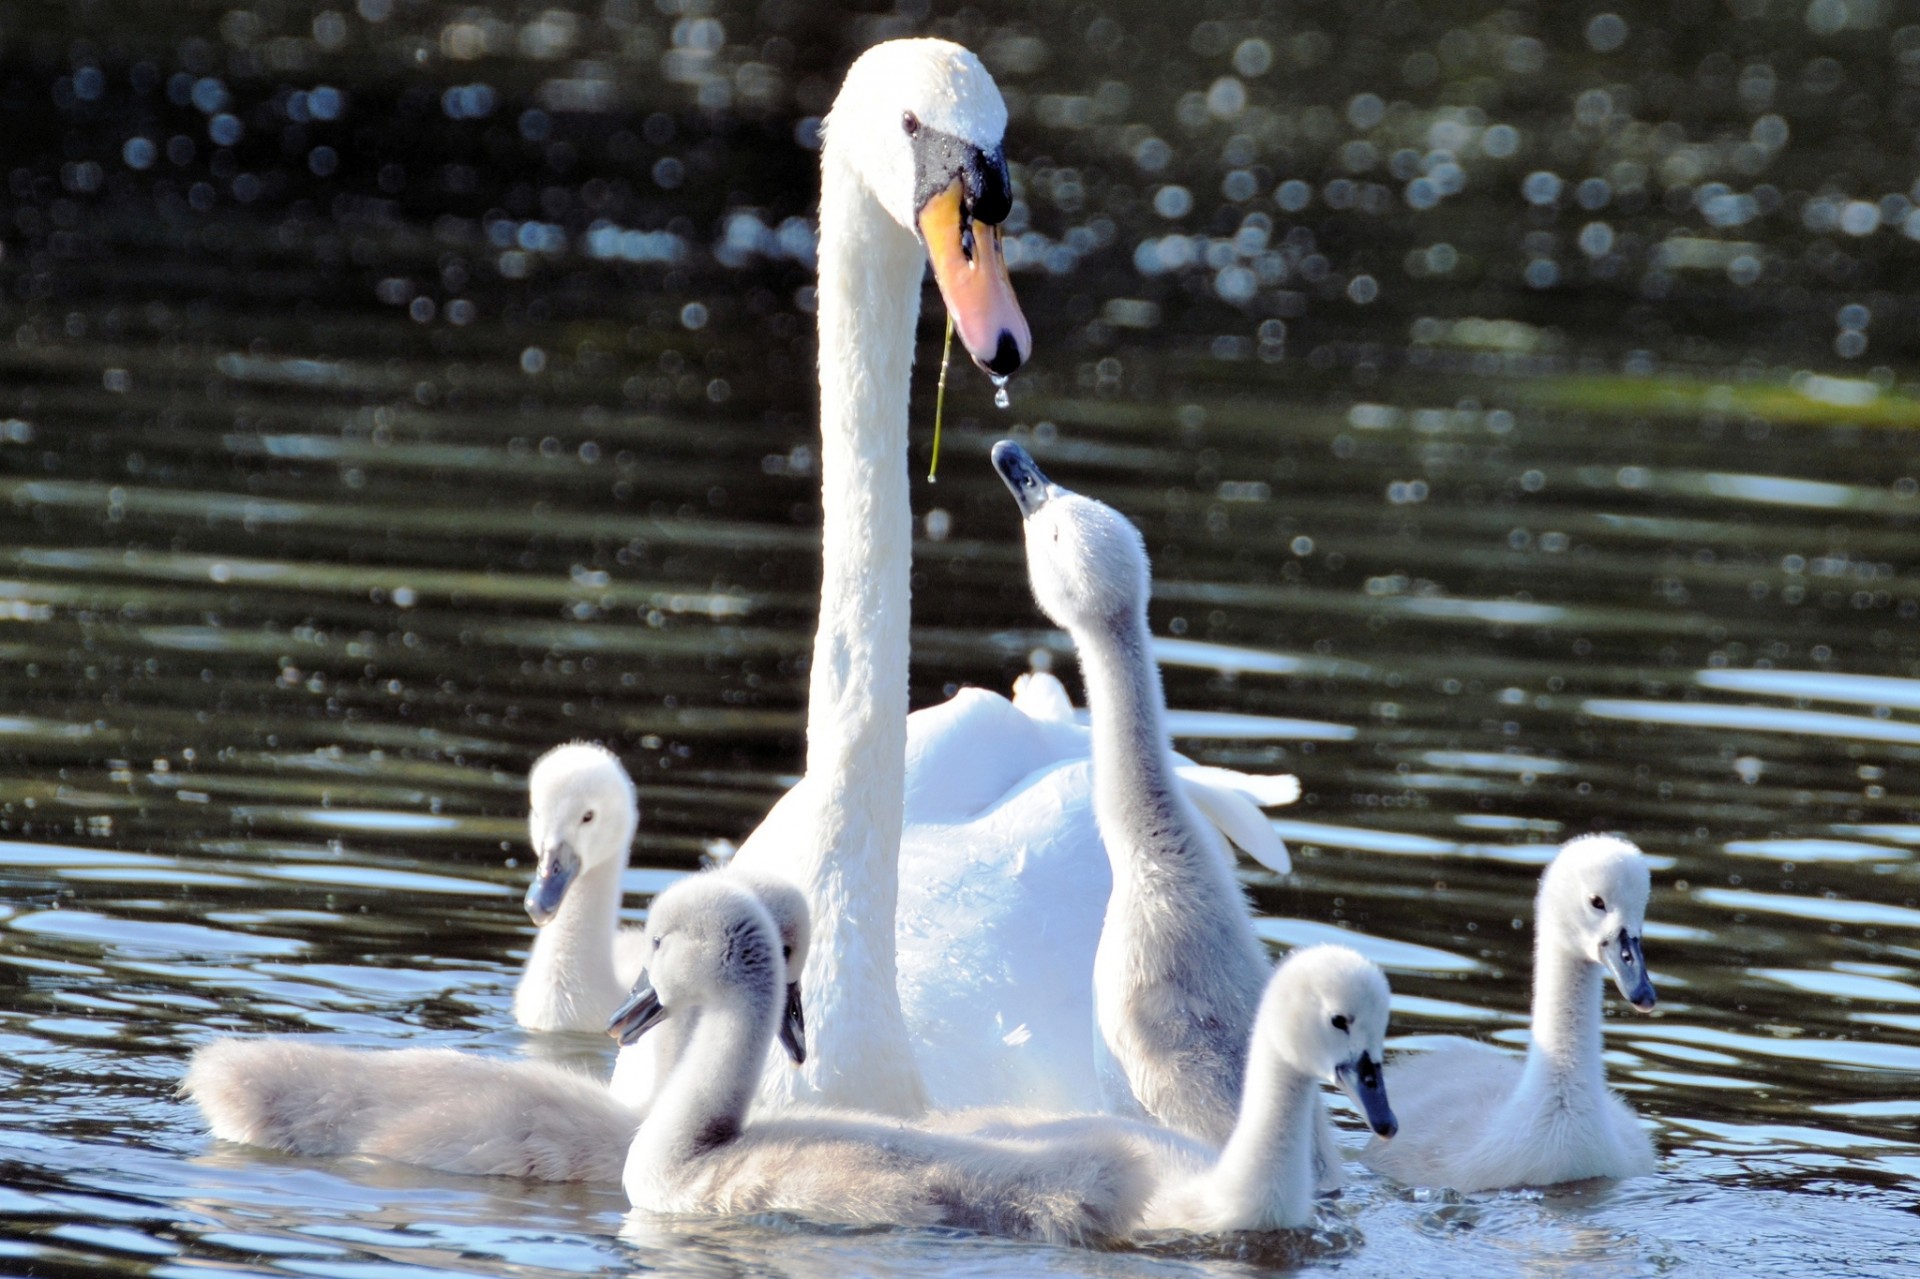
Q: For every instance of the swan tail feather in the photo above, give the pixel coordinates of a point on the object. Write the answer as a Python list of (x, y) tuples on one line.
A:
[(1231, 807)]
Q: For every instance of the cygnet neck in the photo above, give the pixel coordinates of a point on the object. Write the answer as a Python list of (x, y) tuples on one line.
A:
[(704, 1100), (1134, 781), (579, 937), (1565, 1054), (1265, 1174)]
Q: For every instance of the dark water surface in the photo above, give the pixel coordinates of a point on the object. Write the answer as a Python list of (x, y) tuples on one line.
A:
[(1518, 403)]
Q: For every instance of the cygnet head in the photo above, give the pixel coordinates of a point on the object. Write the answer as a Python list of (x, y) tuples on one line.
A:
[(1085, 560), (794, 922), (1325, 1014), (582, 812), (923, 127), (1593, 902), (710, 943)]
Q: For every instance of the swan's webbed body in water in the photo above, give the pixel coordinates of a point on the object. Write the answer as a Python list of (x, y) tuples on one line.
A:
[(1179, 973), (1078, 1179), (1477, 1118)]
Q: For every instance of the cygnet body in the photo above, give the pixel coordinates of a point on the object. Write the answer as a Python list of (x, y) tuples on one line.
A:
[(1476, 1118), (1179, 973), (714, 957), (581, 819), (1076, 1179), (450, 1110)]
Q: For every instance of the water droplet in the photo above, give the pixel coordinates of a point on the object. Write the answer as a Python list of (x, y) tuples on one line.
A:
[(1000, 397)]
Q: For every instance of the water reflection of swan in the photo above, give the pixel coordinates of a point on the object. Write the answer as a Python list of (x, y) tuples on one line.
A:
[(998, 884), (1475, 1118), (714, 959), (1179, 973)]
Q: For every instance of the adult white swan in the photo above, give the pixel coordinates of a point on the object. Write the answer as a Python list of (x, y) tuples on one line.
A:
[(1000, 882)]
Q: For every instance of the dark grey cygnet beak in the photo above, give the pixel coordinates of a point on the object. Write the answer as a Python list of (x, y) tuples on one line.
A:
[(641, 1013), (793, 1026), (1626, 963), (1028, 484), (558, 865), (1364, 1082)]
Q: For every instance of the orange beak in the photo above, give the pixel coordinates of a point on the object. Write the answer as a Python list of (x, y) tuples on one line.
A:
[(972, 274)]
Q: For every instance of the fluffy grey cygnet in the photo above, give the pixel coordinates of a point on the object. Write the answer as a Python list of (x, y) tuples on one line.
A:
[(715, 959), (1477, 1118), (1179, 973), (446, 1109), (1076, 1179)]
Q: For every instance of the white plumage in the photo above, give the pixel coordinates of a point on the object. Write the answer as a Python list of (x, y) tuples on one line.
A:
[(954, 960), (1476, 1118)]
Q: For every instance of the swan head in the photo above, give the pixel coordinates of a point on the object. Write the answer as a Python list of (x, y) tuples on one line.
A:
[(710, 944), (787, 906), (1593, 900), (922, 126), (1325, 1014), (1086, 561), (582, 812)]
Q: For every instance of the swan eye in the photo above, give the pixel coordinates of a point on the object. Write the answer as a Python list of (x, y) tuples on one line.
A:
[(1340, 1023), (786, 953), (910, 123), (586, 818), (1597, 902)]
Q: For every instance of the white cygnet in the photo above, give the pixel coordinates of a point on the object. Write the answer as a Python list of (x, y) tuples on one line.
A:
[(582, 817), (1476, 1118), (1323, 1019), (1179, 972), (1078, 1179)]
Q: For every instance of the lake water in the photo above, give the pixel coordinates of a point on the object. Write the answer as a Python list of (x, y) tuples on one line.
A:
[(1517, 406)]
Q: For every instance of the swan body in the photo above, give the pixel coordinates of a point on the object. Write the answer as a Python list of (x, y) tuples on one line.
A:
[(1179, 974), (951, 859), (1080, 1179), (1477, 1118), (582, 816)]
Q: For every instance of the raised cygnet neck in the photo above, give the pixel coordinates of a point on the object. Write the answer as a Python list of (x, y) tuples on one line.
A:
[(869, 304), (1565, 1054), (1266, 1174), (1133, 774)]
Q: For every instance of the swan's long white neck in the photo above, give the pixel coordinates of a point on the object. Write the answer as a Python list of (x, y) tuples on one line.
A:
[(707, 1091), (1265, 1175), (1565, 1055), (869, 304), (572, 953)]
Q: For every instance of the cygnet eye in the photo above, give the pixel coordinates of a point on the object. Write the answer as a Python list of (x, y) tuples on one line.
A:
[(910, 123), (1340, 1023), (1597, 902), (786, 952), (586, 818)]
